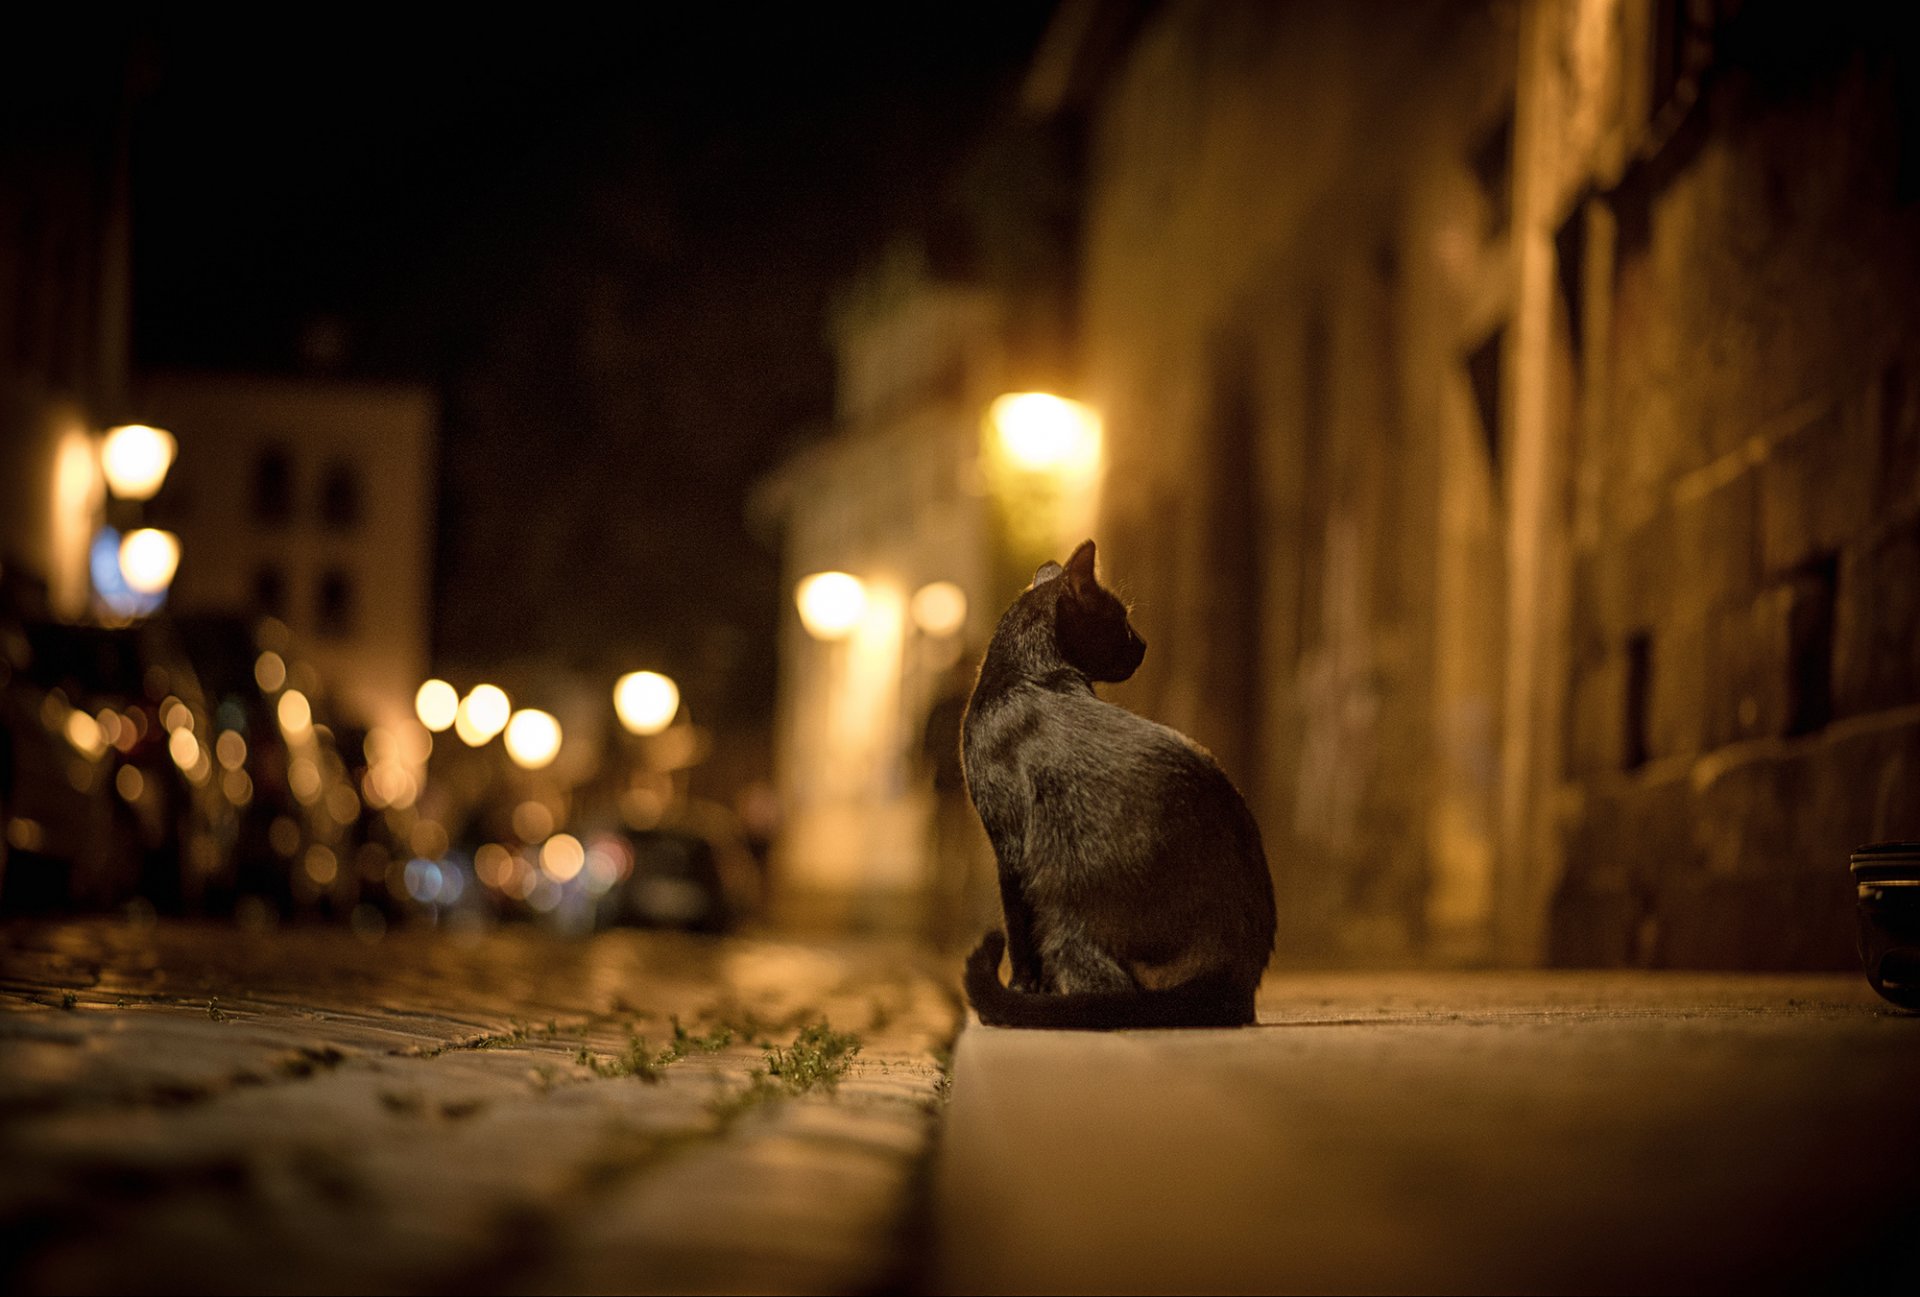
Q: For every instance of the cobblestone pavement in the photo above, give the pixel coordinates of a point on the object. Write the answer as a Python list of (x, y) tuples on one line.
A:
[(194, 1108), (1496, 1132)]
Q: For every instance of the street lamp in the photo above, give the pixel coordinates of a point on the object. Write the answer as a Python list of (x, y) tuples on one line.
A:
[(831, 604), (148, 559), (533, 738), (1036, 432), (482, 714), (135, 459), (437, 704), (646, 701), (939, 608)]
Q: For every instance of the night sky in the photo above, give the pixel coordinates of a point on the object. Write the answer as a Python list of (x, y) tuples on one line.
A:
[(608, 243)]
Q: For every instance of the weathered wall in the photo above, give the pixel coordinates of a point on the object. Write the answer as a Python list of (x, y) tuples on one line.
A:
[(1513, 461), (1745, 652)]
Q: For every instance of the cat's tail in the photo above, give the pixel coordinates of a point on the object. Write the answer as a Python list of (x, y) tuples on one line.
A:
[(1203, 1003)]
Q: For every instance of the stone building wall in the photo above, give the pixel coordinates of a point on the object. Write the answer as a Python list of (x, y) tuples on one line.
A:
[(1512, 460)]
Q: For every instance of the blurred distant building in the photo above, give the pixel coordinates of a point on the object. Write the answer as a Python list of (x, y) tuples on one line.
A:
[(64, 322), (894, 496), (1513, 419), (310, 500)]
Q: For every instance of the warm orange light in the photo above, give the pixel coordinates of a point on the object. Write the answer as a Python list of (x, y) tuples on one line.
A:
[(646, 701), (148, 559), (482, 714), (437, 704), (1040, 433), (939, 608), (831, 604), (561, 857), (533, 738), (135, 459)]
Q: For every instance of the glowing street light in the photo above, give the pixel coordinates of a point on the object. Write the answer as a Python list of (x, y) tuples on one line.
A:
[(646, 701), (135, 459), (1040, 433), (831, 604), (148, 559), (482, 714), (437, 704), (533, 739), (939, 608)]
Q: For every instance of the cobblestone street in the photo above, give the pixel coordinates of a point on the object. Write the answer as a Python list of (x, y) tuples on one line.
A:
[(182, 1108)]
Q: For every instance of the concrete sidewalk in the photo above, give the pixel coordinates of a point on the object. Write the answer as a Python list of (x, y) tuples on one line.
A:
[(196, 1109), (1437, 1133)]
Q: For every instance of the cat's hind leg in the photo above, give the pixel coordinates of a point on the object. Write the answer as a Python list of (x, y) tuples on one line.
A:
[(1075, 964)]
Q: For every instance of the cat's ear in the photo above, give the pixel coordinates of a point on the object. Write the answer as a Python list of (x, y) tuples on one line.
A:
[(1048, 571), (1080, 578)]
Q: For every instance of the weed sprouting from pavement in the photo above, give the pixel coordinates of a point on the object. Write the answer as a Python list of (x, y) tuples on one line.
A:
[(638, 1060), (68, 1000), (214, 1010), (816, 1060)]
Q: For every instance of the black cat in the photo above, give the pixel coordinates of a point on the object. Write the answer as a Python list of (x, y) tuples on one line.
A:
[(1131, 873)]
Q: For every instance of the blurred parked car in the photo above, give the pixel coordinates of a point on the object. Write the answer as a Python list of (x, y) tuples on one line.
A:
[(106, 785), (279, 765)]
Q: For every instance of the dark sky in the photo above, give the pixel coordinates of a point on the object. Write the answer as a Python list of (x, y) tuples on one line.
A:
[(606, 241)]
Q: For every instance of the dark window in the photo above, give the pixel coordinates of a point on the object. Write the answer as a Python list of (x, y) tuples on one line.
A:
[(1639, 700), (270, 592), (333, 611), (1810, 647), (340, 504), (273, 486)]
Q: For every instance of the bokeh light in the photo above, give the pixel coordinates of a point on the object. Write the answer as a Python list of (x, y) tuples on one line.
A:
[(646, 701), (562, 856), (437, 704), (533, 738), (135, 459), (939, 608), (482, 714), (1041, 433), (269, 671), (831, 604), (296, 713), (148, 559)]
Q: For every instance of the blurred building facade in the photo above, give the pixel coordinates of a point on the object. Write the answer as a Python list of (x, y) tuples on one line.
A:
[(892, 494), (65, 331), (1514, 454), (311, 500)]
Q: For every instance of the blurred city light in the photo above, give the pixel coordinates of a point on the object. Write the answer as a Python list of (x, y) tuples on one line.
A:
[(646, 701), (939, 608), (1040, 433), (84, 732), (269, 671), (437, 704), (831, 604), (532, 821), (296, 713), (482, 714), (110, 583), (184, 749), (135, 459), (533, 738), (148, 559), (562, 856)]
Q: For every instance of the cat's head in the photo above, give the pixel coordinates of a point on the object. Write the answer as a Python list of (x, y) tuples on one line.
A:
[(1090, 626)]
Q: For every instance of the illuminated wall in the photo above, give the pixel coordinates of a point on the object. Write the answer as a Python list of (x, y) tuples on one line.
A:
[(1511, 418)]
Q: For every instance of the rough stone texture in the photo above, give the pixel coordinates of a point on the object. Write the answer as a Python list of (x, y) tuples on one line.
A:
[(1448, 1133), (1556, 373), (194, 1109)]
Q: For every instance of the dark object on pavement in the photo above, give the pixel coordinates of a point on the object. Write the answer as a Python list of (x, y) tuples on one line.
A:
[(1886, 878), (1130, 866), (1202, 1003)]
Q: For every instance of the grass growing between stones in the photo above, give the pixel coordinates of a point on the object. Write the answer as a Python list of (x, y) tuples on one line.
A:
[(816, 1060)]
